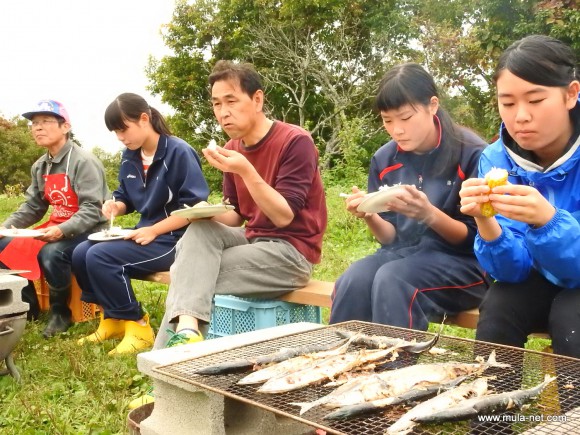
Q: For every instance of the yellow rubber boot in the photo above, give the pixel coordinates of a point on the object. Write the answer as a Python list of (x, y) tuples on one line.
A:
[(108, 328), (137, 337), (142, 400)]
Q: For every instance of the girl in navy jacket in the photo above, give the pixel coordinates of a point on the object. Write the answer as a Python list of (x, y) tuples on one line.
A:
[(159, 173), (532, 247), (425, 267)]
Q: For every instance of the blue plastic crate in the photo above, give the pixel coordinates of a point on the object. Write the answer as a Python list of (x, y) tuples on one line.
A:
[(232, 315)]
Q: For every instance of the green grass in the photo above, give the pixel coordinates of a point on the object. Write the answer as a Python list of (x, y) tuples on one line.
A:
[(71, 389)]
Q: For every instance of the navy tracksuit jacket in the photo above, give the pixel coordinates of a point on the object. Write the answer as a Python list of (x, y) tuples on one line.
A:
[(104, 270), (419, 277)]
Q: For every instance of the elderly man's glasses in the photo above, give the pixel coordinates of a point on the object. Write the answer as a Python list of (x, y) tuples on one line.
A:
[(42, 123)]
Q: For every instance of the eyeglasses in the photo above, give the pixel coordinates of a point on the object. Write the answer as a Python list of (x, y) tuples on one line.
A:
[(43, 123)]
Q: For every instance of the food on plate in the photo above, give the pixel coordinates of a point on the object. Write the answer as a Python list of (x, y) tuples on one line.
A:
[(495, 177), (113, 232), (199, 204), (212, 145)]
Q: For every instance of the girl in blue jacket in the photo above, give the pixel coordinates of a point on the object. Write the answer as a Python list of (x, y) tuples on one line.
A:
[(425, 266), (532, 246), (159, 173)]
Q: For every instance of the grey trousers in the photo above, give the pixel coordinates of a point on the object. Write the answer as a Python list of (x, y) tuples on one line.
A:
[(212, 258)]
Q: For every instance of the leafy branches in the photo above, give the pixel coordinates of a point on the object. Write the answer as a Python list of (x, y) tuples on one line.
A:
[(322, 59)]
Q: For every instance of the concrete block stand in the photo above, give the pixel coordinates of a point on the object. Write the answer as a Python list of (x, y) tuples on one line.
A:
[(181, 408)]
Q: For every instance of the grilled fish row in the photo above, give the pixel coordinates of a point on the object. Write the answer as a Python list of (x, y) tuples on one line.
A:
[(464, 402), (297, 373), (393, 383), (245, 364)]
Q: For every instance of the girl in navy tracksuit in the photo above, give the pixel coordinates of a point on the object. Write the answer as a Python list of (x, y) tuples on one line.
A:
[(425, 266), (159, 173)]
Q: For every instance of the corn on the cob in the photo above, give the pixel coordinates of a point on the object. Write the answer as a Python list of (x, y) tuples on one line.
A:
[(495, 177)]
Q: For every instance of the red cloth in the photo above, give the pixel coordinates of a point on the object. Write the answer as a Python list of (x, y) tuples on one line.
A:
[(22, 253)]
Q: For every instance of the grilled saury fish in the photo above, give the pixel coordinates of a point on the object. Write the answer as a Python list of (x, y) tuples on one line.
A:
[(291, 365), (486, 405), (443, 401), (246, 364), (392, 383), (326, 368)]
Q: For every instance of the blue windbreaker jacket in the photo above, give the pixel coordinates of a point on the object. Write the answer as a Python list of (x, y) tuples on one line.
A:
[(174, 179), (554, 249)]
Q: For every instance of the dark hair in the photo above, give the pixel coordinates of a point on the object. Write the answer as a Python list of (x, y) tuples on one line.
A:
[(244, 73), (539, 59), (129, 107), (69, 134), (409, 83)]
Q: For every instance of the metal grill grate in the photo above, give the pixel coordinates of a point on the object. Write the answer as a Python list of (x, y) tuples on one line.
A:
[(527, 369)]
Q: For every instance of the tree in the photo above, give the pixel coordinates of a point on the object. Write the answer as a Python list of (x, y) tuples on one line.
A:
[(19, 152), (463, 39), (111, 162), (321, 61)]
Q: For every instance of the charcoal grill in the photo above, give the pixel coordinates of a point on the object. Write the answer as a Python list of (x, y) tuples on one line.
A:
[(12, 318), (527, 369)]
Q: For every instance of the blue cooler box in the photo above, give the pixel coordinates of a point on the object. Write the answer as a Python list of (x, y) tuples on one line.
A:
[(233, 315)]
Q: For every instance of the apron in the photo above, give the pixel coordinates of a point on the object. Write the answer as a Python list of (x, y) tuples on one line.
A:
[(22, 253)]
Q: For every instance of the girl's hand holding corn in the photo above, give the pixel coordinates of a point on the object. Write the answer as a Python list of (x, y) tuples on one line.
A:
[(495, 177), (522, 203), (474, 193), (483, 198)]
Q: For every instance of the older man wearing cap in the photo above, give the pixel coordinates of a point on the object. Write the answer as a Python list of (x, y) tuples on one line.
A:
[(72, 182)]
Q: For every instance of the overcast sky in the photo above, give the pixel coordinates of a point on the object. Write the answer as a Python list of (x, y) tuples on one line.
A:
[(81, 53)]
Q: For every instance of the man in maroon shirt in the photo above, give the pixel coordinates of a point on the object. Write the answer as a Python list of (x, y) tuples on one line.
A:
[(271, 177)]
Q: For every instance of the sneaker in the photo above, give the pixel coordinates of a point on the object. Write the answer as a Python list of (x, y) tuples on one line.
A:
[(146, 398), (183, 336)]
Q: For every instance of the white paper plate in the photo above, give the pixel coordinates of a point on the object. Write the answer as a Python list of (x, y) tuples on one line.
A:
[(20, 233), (103, 236), (202, 211), (4, 272), (376, 202)]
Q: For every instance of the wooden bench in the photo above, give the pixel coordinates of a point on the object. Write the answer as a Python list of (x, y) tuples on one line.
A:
[(469, 319), (316, 293), (465, 319)]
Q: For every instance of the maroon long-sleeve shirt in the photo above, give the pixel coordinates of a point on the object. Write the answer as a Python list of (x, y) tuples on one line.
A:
[(287, 159)]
